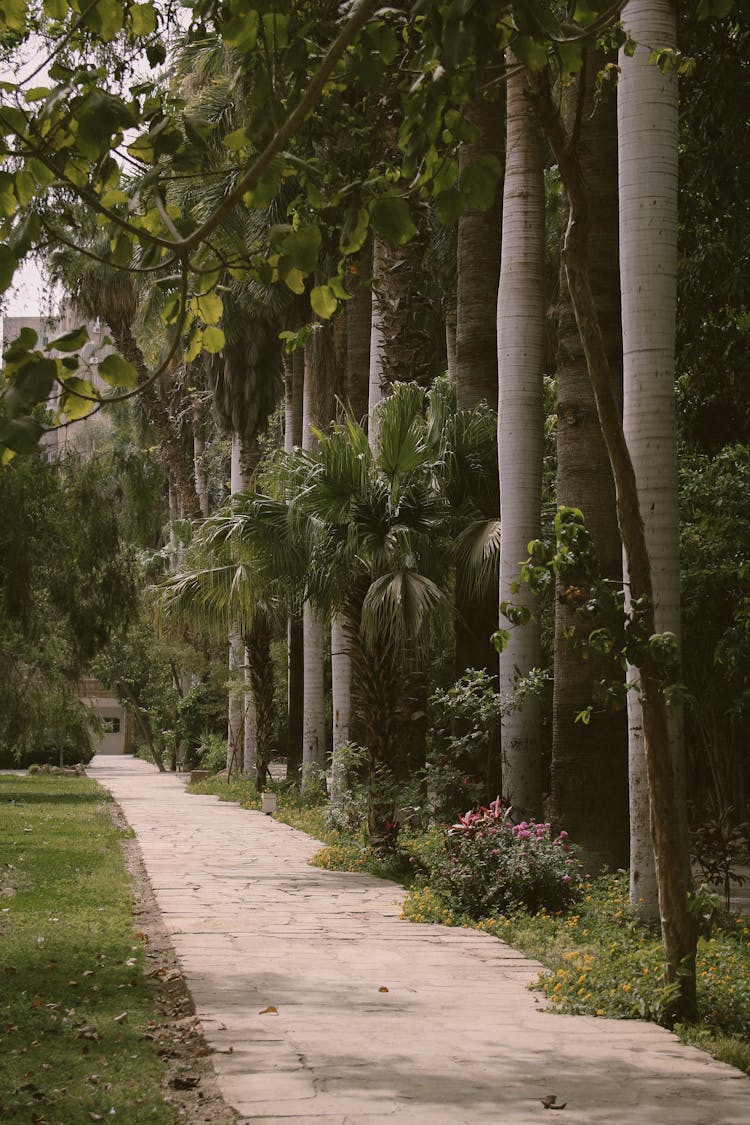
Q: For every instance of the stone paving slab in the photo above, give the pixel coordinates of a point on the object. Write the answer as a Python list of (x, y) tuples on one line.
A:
[(376, 1019)]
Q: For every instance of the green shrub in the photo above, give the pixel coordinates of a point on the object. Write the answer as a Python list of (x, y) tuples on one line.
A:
[(490, 865)]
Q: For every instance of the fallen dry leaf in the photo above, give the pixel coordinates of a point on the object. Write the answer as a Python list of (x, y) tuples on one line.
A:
[(382, 988), (121, 1018), (269, 1011), (550, 1102)]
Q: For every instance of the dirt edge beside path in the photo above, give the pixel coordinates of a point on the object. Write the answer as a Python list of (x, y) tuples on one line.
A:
[(190, 1082)]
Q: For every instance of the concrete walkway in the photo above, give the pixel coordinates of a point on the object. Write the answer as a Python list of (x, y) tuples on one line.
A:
[(324, 1007)]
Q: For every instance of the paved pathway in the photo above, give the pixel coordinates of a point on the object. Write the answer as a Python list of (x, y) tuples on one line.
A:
[(376, 1019)]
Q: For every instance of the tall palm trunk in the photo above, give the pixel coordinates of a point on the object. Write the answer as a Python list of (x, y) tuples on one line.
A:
[(479, 268), (236, 749), (358, 327), (258, 649), (341, 688), (678, 925), (294, 379), (317, 410), (647, 102), (589, 763), (521, 331), (478, 254)]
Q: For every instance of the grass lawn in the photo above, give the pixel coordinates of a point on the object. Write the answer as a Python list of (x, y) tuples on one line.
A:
[(74, 1000), (600, 960)]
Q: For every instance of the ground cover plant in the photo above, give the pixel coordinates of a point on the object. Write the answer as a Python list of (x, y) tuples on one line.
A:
[(75, 1004)]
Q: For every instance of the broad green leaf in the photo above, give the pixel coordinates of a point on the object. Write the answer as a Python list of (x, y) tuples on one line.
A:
[(118, 372), (262, 194), (336, 285), (294, 279), (449, 205), (323, 301), (571, 57), (21, 434), (530, 51), (208, 307), (301, 247), (391, 217), (14, 15), (8, 263), (236, 140), (143, 19), (25, 234), (36, 94), (354, 231), (25, 187), (276, 27), (56, 9), (171, 311), (71, 341), (213, 340), (24, 342), (79, 399), (36, 380), (479, 182), (113, 197), (195, 345), (241, 32)]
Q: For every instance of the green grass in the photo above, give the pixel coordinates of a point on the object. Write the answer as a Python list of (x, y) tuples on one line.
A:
[(74, 1003)]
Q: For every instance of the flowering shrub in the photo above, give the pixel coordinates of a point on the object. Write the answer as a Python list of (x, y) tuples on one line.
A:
[(491, 865)]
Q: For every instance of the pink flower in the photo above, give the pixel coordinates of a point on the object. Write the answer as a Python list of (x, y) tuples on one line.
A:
[(566, 878)]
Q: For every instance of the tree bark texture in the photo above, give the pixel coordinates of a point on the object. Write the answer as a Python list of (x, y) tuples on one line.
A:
[(260, 674), (589, 779), (341, 693), (479, 267), (647, 103), (679, 928), (358, 326), (521, 339)]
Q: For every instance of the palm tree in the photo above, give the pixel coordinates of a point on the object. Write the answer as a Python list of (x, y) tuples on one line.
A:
[(589, 762), (521, 332), (647, 104)]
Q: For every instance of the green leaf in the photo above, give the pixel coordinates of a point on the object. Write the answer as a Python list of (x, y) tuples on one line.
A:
[(208, 307), (195, 345), (8, 263), (354, 231), (323, 301), (213, 340), (295, 280), (530, 51), (391, 217), (241, 32), (71, 341), (301, 247), (236, 140), (79, 399), (143, 19), (479, 182), (449, 205), (36, 380), (21, 434), (55, 9), (117, 372)]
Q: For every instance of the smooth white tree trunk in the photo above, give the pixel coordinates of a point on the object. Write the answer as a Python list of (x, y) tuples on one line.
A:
[(647, 110), (313, 627), (313, 723), (341, 688), (521, 330), (377, 342), (237, 749)]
